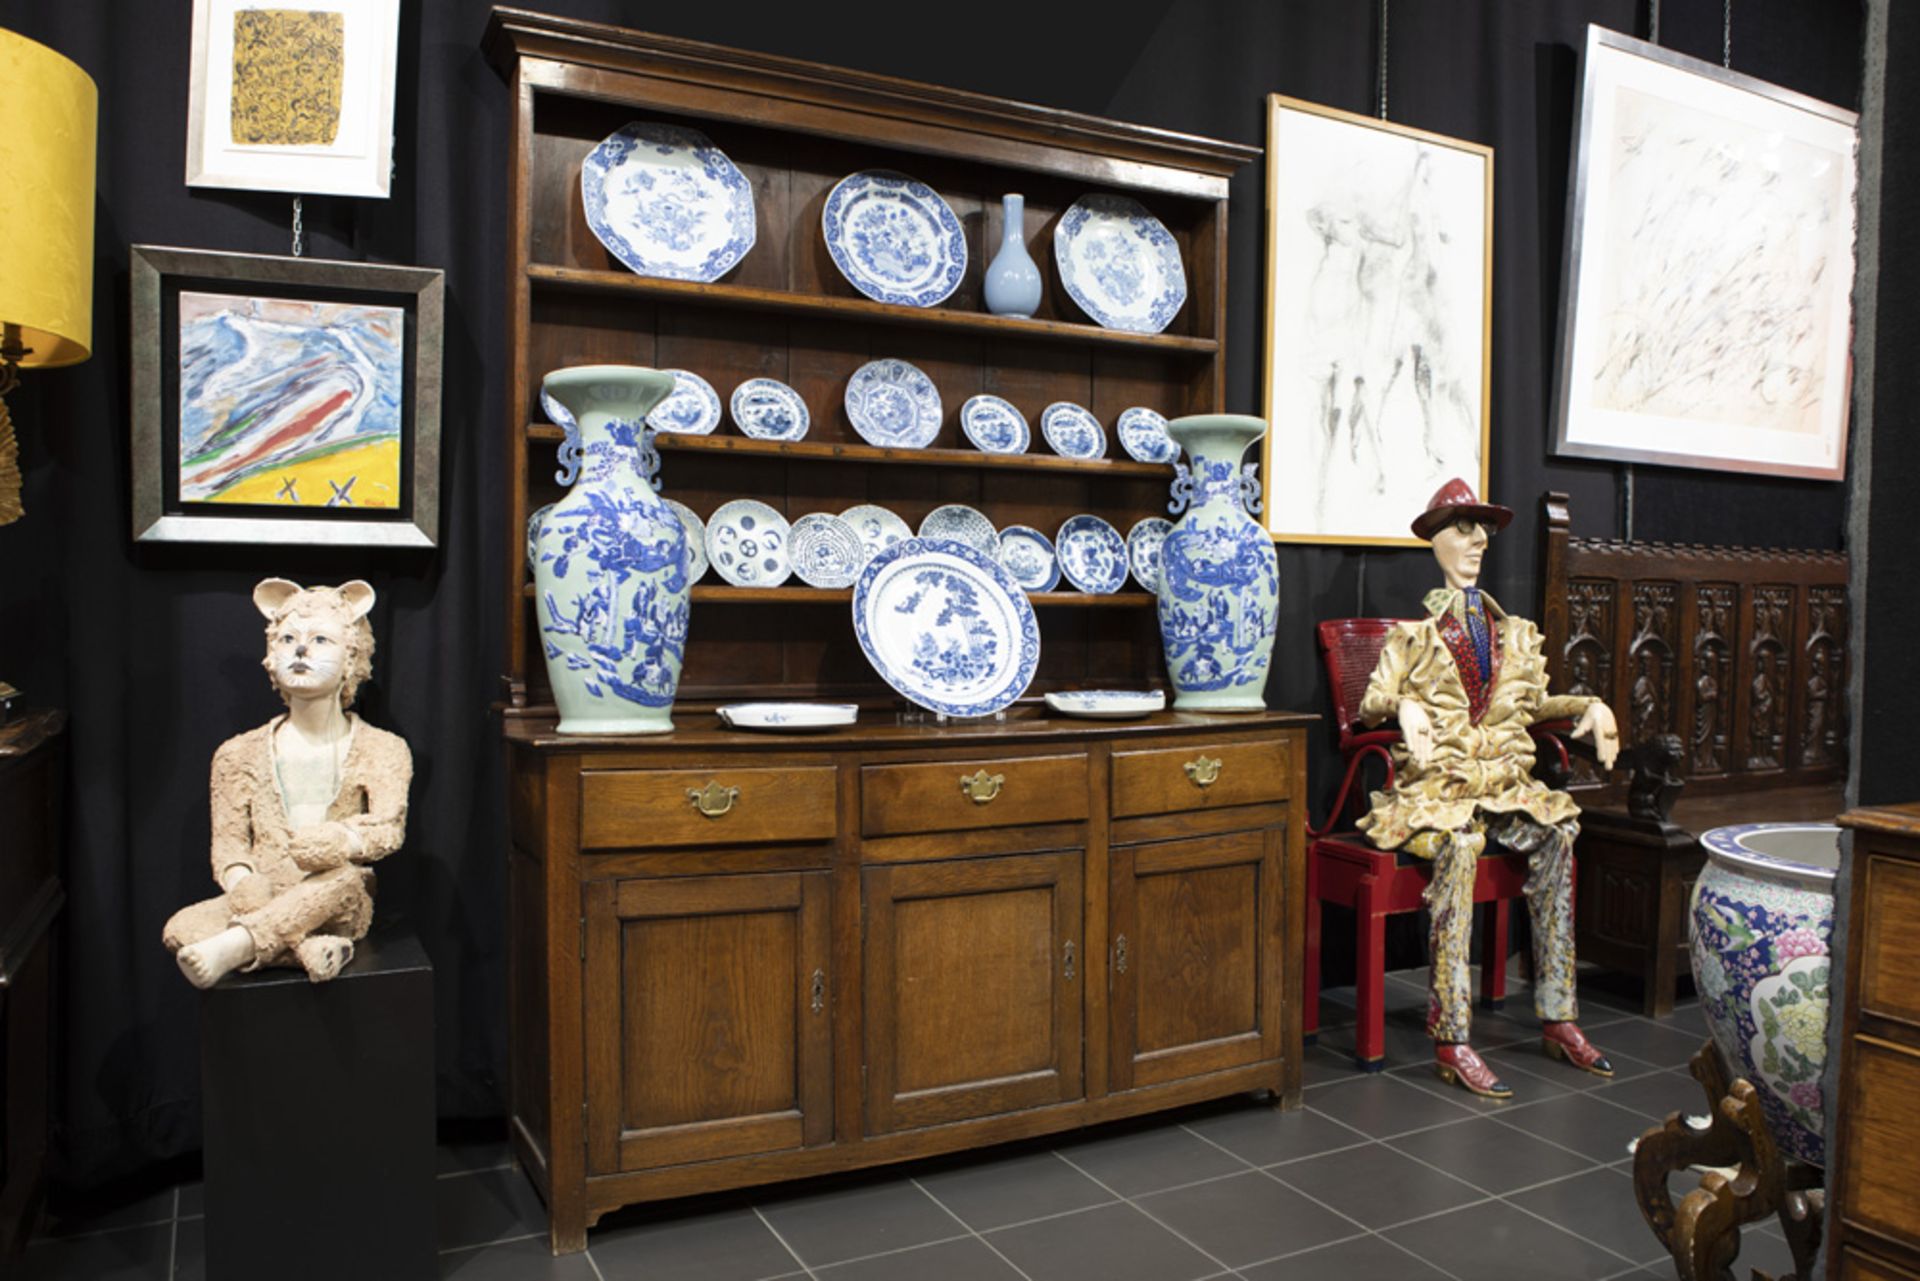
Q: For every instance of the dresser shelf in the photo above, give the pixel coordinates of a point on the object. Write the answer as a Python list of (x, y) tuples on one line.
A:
[(800, 594)]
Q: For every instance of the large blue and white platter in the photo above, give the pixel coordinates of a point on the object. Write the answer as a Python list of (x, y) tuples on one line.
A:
[(946, 626), (1092, 554), (1143, 434), (1120, 263), (667, 202), (693, 408), (1073, 431), (768, 409), (894, 404), (894, 238), (994, 425)]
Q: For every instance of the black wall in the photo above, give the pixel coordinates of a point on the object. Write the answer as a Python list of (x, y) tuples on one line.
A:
[(155, 651)]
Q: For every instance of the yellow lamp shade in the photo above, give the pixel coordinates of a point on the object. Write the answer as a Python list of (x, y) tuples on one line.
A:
[(48, 108)]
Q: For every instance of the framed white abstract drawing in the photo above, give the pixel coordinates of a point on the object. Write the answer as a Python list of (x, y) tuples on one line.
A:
[(293, 95), (1379, 280), (1707, 312)]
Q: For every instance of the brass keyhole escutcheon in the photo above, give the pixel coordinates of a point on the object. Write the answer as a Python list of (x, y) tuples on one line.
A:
[(980, 786), (819, 1001), (713, 800), (1203, 770), (1120, 954)]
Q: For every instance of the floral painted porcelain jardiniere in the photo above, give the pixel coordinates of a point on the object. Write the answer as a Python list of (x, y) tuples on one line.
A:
[(1219, 577), (611, 567), (1762, 925)]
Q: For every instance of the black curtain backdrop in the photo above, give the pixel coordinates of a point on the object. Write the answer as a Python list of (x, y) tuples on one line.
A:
[(155, 651)]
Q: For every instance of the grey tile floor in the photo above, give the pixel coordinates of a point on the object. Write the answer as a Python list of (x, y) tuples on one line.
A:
[(1390, 1175)]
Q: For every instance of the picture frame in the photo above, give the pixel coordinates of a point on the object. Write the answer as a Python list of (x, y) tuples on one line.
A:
[(1379, 312), (294, 96), (1706, 310), (285, 400)]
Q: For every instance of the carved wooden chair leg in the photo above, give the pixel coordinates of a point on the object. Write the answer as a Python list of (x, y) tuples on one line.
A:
[(1675, 1145)]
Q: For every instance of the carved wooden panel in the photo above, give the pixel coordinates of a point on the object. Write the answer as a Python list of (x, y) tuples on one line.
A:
[(1650, 660), (1623, 903), (1769, 695), (1714, 630), (1589, 650), (1823, 729)]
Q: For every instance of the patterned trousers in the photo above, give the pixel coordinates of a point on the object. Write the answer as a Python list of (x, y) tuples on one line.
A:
[(1449, 897)]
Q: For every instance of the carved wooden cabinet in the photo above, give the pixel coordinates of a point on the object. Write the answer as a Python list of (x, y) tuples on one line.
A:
[(737, 959)]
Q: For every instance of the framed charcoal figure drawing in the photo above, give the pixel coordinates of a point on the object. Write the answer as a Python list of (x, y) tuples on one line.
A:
[(1379, 280), (1706, 318), (293, 95), (284, 400)]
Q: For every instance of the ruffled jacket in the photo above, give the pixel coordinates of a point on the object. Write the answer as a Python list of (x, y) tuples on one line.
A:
[(1484, 765)]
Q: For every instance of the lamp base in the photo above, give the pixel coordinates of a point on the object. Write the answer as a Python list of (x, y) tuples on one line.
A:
[(10, 508)]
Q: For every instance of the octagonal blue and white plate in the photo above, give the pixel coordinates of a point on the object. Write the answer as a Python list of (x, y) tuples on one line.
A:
[(1144, 541), (1120, 263), (1072, 431), (894, 238), (1092, 554), (946, 626), (691, 409), (667, 202), (894, 404), (747, 544), (768, 409), (1028, 555), (1143, 434), (994, 425)]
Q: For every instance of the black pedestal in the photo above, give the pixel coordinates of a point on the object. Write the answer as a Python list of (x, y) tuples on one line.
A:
[(320, 1120)]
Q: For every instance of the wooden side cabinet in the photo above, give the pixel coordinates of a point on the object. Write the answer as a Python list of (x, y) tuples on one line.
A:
[(738, 959), (1873, 1172)]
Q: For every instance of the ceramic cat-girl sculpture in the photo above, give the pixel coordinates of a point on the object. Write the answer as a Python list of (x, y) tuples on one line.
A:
[(302, 805)]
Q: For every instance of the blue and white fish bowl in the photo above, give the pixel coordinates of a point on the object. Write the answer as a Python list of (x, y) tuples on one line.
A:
[(611, 560), (1219, 577), (1760, 936)]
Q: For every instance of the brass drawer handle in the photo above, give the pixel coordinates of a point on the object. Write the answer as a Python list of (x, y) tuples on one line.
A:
[(819, 991), (713, 800), (1203, 770), (980, 786), (1120, 954)]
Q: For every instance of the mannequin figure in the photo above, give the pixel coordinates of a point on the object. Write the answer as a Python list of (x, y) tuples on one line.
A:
[(1465, 682), (302, 804)]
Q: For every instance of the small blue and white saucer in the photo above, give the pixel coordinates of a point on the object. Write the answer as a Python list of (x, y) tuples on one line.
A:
[(994, 425), (1143, 434), (768, 409), (1027, 554), (1072, 431), (691, 409)]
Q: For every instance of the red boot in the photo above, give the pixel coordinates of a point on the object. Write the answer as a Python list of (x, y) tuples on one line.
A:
[(1459, 1065), (1565, 1041)]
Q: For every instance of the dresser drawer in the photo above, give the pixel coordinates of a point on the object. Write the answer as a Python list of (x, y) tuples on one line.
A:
[(629, 809), (951, 796), (1198, 776), (1890, 949)]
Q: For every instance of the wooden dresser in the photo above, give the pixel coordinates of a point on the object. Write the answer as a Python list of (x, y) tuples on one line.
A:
[(739, 958), (1873, 1171)]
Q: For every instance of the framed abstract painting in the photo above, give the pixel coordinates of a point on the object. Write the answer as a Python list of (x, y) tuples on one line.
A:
[(1379, 279), (284, 400), (293, 95), (1706, 319)]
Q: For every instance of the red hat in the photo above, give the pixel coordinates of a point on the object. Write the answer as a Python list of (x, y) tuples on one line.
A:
[(1452, 501)]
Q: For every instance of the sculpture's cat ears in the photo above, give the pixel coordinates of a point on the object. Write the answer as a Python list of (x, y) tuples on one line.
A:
[(272, 595)]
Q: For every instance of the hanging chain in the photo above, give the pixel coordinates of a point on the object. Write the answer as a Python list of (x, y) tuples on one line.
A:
[(1383, 60), (1653, 23), (299, 231), (1726, 36)]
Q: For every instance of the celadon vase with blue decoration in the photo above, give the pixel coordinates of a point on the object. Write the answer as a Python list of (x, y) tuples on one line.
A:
[(610, 559), (1219, 577)]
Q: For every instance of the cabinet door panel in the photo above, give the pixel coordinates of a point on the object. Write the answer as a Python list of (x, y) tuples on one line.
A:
[(972, 988), (1194, 961), (708, 1025)]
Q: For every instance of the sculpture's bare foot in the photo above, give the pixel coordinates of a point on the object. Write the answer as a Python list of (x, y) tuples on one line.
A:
[(323, 956), (210, 960)]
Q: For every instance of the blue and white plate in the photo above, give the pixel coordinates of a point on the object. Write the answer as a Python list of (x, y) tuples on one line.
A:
[(893, 404), (894, 238), (788, 718), (768, 409), (1092, 554), (878, 528), (1072, 431), (1143, 550), (994, 425), (1120, 263), (691, 409), (946, 626), (825, 551), (696, 539), (667, 202), (1143, 434), (1027, 554), (1107, 704), (962, 524), (747, 543)]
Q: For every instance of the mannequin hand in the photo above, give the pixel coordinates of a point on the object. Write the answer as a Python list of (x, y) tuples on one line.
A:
[(322, 848), (250, 893), (1416, 727), (1598, 725)]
